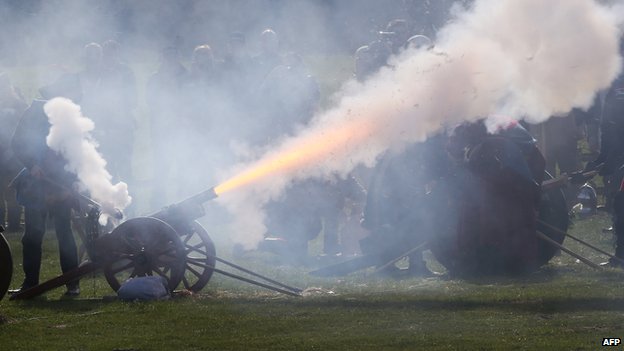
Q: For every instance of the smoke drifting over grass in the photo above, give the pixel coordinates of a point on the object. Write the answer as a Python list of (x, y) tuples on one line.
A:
[(528, 59), (70, 136)]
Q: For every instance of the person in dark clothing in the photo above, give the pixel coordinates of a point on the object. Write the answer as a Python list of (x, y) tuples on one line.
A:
[(39, 197), (269, 56), (114, 116), (237, 69), (610, 161), (12, 106), (164, 99), (560, 139)]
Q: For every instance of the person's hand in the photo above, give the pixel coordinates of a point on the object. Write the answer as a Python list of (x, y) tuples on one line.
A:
[(581, 177)]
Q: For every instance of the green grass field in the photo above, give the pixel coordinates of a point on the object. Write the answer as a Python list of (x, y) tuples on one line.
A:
[(564, 306)]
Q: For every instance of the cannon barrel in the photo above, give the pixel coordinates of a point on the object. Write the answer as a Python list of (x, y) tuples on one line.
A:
[(180, 214)]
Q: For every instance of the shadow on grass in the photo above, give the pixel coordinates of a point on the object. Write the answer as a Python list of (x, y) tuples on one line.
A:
[(546, 306)]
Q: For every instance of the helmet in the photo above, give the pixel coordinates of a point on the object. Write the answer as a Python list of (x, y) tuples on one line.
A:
[(420, 41), (587, 200)]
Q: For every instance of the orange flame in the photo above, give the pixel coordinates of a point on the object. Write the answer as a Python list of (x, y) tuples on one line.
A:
[(306, 152)]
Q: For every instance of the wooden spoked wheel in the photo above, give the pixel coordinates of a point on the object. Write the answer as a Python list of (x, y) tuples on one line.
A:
[(200, 257), (144, 246), (553, 211), (6, 266)]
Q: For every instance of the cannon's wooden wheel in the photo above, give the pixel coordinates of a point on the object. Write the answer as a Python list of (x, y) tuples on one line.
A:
[(200, 257), (6, 266), (145, 246), (553, 211)]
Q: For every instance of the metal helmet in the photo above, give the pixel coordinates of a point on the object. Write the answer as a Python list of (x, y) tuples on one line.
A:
[(420, 42), (587, 199)]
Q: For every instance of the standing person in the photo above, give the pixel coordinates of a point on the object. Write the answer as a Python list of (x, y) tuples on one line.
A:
[(237, 78), (370, 58), (39, 197), (203, 104), (269, 56), (117, 95), (400, 33), (90, 78), (163, 96), (560, 148), (237, 68), (290, 96), (610, 161), (12, 106)]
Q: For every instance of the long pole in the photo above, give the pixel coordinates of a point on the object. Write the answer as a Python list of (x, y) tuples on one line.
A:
[(396, 259), (560, 232), (266, 286), (564, 249), (296, 290)]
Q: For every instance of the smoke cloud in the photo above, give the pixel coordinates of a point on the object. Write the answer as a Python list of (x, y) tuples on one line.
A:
[(70, 136), (527, 59)]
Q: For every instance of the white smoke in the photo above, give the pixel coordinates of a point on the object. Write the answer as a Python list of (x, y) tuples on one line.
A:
[(528, 59), (70, 135)]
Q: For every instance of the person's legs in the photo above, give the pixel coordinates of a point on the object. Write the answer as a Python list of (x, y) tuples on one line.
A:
[(618, 223), (67, 245), (31, 245)]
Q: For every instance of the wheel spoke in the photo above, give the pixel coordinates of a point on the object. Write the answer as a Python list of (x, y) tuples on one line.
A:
[(198, 262), (195, 247), (187, 285), (167, 252), (188, 268), (122, 268), (132, 244), (188, 238)]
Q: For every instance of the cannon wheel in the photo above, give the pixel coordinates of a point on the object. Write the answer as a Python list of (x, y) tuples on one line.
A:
[(145, 246), (6, 266), (553, 210), (200, 257)]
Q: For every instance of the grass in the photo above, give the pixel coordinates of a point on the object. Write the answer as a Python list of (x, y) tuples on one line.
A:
[(564, 306)]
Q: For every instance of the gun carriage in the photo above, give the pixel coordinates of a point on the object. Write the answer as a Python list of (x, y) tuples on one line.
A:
[(482, 203), (170, 243)]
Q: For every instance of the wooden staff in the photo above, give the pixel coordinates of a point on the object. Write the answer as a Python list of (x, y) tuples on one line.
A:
[(557, 230), (395, 260), (569, 252)]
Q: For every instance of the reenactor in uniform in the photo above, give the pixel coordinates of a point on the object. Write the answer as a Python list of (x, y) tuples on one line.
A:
[(42, 199), (610, 162), (12, 106)]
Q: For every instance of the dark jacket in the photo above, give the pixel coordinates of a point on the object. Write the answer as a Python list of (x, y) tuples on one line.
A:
[(30, 148), (612, 129)]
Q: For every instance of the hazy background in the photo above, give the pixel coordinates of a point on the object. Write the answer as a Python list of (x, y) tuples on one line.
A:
[(486, 52)]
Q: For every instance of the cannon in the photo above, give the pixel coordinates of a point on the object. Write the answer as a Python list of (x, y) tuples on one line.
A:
[(169, 243), (482, 203)]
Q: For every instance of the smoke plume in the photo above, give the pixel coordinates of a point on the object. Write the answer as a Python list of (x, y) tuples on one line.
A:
[(70, 136), (527, 59)]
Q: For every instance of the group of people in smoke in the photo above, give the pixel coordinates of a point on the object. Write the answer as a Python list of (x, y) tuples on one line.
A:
[(182, 103), (600, 128), (253, 98), (558, 138), (260, 97)]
